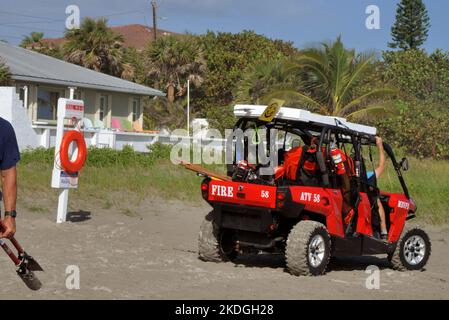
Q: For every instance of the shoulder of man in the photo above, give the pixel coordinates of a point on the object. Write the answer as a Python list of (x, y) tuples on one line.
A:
[(6, 130), (5, 125), (9, 150)]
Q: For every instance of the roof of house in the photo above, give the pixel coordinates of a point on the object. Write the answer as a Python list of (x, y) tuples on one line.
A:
[(134, 36), (27, 65)]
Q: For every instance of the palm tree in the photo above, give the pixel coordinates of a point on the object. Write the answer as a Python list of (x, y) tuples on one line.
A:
[(133, 65), (333, 82), (5, 75), (94, 46), (32, 38), (174, 61), (261, 78), (34, 42), (162, 113)]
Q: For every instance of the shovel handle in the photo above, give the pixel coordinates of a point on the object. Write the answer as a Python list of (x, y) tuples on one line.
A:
[(8, 251), (13, 241), (16, 245)]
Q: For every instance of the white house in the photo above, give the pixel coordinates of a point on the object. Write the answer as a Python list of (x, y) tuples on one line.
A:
[(40, 80)]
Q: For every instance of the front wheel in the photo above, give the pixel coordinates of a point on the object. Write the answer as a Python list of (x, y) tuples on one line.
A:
[(308, 249), (412, 250)]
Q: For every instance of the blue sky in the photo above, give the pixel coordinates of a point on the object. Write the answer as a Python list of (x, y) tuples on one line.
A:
[(303, 22)]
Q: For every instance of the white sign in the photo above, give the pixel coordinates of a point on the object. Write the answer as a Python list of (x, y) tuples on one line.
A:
[(73, 108), (68, 180)]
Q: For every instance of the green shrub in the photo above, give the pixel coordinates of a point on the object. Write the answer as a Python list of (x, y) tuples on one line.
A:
[(37, 156), (418, 74), (104, 157), (160, 151), (420, 130)]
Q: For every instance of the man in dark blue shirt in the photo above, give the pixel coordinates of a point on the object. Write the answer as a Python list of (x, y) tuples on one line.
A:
[(9, 156)]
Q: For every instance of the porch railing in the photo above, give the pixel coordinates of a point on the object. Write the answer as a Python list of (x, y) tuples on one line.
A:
[(106, 138)]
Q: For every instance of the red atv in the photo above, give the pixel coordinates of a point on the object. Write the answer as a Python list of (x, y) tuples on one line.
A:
[(255, 213)]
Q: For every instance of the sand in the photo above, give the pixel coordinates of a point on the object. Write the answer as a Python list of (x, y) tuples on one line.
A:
[(153, 255)]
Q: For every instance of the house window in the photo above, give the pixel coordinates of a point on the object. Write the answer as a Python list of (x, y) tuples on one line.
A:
[(104, 104), (47, 104), (22, 94), (136, 109), (77, 95), (21, 91)]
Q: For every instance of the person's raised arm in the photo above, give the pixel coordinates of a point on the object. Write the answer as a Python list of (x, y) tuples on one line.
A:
[(380, 169)]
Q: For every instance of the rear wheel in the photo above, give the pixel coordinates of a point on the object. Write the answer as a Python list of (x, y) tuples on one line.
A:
[(214, 245), (412, 250), (308, 249)]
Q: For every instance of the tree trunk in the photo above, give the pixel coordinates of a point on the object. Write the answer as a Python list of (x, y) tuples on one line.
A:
[(171, 92)]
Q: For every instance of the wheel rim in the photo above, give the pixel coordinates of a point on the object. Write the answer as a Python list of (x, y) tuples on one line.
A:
[(316, 250), (414, 250)]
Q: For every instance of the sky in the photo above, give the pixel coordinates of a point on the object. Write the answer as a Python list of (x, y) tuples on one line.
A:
[(303, 22)]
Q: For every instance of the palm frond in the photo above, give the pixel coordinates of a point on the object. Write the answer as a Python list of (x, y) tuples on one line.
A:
[(291, 93), (374, 110), (359, 70), (373, 94)]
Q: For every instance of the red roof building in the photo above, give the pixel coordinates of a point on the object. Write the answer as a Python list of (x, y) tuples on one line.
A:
[(134, 36)]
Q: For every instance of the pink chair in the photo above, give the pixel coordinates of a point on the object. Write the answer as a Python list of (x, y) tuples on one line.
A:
[(116, 124)]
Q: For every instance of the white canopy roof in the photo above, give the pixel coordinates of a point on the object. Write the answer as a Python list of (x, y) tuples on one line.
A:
[(255, 111)]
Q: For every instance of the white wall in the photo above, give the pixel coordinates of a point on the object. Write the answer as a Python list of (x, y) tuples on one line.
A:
[(12, 110)]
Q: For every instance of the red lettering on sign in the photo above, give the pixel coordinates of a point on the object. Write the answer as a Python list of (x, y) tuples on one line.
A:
[(74, 107)]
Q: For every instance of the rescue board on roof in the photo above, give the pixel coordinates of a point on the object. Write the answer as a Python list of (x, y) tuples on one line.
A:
[(294, 114)]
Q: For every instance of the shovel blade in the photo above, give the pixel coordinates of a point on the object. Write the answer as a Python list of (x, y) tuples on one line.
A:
[(33, 265), (30, 280)]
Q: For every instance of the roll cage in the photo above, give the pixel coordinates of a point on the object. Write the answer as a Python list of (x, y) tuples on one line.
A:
[(326, 134)]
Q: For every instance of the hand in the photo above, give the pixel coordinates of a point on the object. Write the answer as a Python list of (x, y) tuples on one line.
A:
[(9, 227), (379, 142)]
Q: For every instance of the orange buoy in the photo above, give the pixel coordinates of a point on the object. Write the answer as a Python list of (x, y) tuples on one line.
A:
[(67, 164)]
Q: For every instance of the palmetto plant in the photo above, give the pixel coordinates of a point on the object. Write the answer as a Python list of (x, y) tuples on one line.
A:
[(330, 79), (165, 114), (94, 46), (174, 61), (33, 37), (261, 78), (5, 75)]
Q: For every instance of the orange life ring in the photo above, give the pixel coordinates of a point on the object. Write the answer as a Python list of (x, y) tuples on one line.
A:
[(78, 163)]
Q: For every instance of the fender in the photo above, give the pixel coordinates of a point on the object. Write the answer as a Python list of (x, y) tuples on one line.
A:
[(327, 202), (400, 206)]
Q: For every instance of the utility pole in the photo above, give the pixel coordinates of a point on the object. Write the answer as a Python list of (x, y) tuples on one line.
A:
[(154, 5)]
